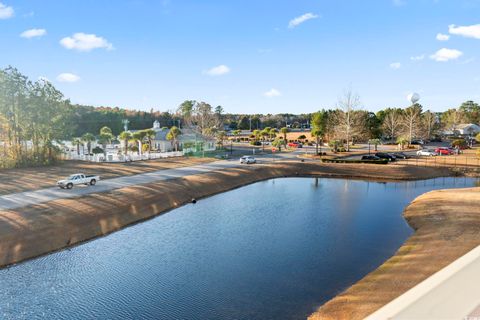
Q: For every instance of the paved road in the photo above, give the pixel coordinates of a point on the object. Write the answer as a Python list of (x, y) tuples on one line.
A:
[(17, 200)]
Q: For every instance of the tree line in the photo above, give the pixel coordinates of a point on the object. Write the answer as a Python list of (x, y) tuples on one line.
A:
[(34, 115)]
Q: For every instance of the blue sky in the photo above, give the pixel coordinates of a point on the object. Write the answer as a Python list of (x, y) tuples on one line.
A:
[(250, 56)]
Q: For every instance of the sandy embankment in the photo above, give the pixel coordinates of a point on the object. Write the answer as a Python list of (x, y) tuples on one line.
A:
[(447, 226), (35, 230), (26, 179)]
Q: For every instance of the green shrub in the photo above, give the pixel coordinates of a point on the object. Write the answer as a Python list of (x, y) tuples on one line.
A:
[(459, 143), (97, 150)]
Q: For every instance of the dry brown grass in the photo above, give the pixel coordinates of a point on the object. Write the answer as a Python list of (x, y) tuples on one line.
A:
[(447, 225), (24, 179)]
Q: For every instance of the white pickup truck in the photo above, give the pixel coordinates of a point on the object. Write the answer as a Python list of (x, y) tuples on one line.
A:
[(76, 179)]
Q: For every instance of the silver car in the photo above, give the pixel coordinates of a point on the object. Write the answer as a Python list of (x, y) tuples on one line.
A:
[(247, 160), (426, 152)]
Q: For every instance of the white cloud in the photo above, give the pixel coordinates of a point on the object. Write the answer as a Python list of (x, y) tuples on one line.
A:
[(85, 42), (218, 70), (5, 11), (301, 19), (68, 77), (445, 54), (399, 3), (442, 37), (417, 58), (272, 93), (395, 65), (472, 31), (32, 33)]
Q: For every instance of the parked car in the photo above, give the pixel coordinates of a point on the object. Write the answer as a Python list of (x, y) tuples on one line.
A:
[(444, 151), (370, 157), (401, 155), (426, 152), (295, 145), (387, 156), (248, 160), (76, 179), (418, 142)]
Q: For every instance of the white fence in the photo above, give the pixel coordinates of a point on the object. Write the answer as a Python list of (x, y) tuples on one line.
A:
[(121, 158)]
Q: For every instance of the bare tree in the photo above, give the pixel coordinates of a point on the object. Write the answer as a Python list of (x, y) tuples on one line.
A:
[(452, 118), (348, 120), (392, 122), (200, 117), (411, 121), (429, 123)]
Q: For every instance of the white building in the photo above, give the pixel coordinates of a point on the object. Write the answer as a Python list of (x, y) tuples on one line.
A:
[(466, 129), (189, 141)]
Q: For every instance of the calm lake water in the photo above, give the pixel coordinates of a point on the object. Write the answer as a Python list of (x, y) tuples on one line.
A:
[(272, 250)]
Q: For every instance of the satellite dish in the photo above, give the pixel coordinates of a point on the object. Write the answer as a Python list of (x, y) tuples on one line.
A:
[(413, 97)]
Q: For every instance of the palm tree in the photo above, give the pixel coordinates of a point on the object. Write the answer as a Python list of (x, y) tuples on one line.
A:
[(125, 136), (236, 133), (284, 131), (173, 136), (77, 142), (264, 133), (138, 136), (317, 133), (220, 137), (256, 134), (375, 142), (402, 141), (273, 133), (88, 138), (318, 128), (150, 135), (105, 138)]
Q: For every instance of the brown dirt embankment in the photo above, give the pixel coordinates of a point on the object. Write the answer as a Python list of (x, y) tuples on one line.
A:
[(447, 226), (25, 179), (35, 230)]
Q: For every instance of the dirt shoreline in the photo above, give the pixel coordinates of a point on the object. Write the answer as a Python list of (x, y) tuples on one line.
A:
[(34, 178), (36, 230), (447, 226)]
